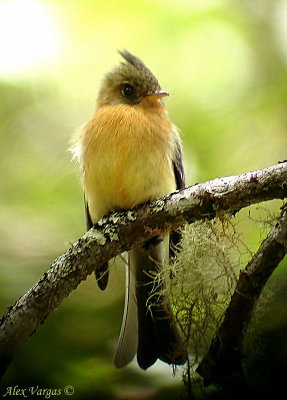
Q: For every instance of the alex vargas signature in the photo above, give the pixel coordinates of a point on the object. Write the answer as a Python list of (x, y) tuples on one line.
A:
[(38, 391)]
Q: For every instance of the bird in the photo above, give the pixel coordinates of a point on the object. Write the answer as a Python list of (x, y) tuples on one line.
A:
[(130, 153)]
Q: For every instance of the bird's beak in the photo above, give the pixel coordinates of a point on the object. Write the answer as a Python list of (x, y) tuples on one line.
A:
[(157, 93)]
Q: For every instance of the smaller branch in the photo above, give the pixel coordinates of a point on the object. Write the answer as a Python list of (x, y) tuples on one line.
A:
[(223, 362)]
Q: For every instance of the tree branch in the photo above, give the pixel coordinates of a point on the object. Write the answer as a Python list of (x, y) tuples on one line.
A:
[(223, 362), (118, 231)]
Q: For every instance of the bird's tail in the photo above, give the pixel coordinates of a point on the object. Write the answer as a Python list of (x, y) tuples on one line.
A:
[(148, 327)]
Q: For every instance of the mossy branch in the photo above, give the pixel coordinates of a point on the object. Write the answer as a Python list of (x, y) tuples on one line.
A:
[(118, 231), (223, 364)]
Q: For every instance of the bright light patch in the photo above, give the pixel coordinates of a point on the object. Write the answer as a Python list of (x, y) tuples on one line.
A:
[(28, 35)]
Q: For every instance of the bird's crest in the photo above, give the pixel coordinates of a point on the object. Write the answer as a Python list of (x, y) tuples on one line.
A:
[(139, 65)]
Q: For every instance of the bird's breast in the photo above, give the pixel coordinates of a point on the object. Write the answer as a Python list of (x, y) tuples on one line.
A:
[(126, 158)]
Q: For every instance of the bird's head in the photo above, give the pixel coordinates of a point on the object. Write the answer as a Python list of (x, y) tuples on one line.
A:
[(130, 83)]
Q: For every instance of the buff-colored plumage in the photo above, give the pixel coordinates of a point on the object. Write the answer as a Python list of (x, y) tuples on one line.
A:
[(127, 155), (108, 147)]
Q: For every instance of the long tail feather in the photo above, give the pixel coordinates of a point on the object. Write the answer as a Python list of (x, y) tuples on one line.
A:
[(128, 339), (158, 335), (148, 326)]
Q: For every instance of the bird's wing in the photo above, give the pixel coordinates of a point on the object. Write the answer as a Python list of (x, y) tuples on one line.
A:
[(89, 222), (178, 169), (179, 176)]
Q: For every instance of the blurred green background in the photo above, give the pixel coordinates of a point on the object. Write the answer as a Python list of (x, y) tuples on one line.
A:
[(224, 63)]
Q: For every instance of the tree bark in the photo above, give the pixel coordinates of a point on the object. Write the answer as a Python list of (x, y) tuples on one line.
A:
[(118, 231)]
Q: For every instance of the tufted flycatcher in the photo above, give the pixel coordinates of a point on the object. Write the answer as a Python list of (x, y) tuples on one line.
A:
[(129, 152)]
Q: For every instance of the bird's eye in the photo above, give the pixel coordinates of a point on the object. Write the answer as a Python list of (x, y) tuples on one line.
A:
[(128, 90)]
